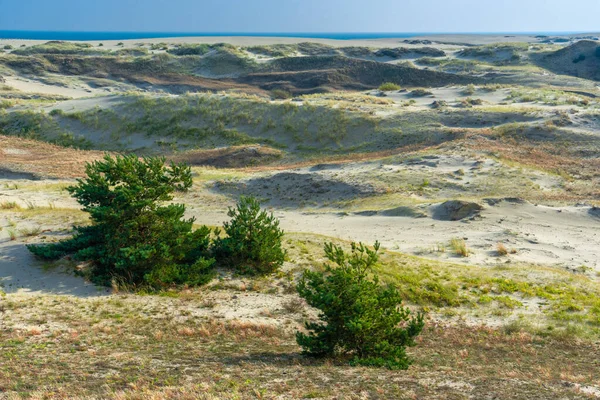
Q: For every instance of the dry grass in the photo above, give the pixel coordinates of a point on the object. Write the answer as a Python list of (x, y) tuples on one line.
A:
[(44, 159), (501, 249), (459, 246), (30, 231), (9, 205), (132, 348)]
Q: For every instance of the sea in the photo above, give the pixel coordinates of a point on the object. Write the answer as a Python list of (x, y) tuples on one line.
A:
[(85, 36)]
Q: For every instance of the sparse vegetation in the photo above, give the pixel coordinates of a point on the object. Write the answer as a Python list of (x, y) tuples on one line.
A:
[(459, 246), (304, 129), (501, 250), (421, 93)]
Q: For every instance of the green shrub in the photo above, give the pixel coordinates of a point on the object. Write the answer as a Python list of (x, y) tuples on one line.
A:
[(421, 93), (6, 104), (280, 94), (56, 112), (359, 317), (133, 238), (253, 242), (388, 87), (8, 47), (190, 49), (470, 90)]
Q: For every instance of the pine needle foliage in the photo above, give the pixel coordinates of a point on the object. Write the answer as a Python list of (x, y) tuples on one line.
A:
[(253, 242), (358, 316), (134, 237)]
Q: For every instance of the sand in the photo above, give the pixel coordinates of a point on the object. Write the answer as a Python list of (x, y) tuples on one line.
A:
[(529, 229), (21, 273)]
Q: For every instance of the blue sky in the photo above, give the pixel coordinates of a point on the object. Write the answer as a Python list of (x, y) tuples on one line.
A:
[(302, 15)]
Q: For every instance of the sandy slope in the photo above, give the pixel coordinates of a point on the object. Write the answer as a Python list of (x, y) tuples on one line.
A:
[(31, 86), (567, 236)]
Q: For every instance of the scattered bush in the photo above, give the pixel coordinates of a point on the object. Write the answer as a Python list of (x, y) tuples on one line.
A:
[(469, 102), (359, 317), (439, 104), (460, 247), (12, 234), (280, 94), (9, 205), (28, 232), (190, 50), (56, 112), (60, 47), (6, 104), (133, 238), (253, 242), (8, 47), (388, 87), (421, 93), (501, 250), (470, 90)]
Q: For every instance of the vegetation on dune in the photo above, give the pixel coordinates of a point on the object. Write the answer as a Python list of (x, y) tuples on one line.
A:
[(253, 241), (134, 238), (317, 49), (388, 87), (358, 316), (190, 50), (39, 126), (60, 47)]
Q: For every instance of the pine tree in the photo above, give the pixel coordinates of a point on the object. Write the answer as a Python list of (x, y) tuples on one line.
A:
[(134, 237), (358, 316), (253, 242)]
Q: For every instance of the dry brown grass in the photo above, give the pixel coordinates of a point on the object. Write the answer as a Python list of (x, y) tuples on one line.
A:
[(501, 249), (124, 359), (44, 159)]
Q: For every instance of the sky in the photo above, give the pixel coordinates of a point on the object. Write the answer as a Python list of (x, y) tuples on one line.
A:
[(262, 16)]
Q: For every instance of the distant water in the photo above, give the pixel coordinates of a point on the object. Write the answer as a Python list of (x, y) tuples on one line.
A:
[(43, 35)]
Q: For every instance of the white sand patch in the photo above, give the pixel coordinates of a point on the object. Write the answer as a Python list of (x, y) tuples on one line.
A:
[(531, 230), (31, 86)]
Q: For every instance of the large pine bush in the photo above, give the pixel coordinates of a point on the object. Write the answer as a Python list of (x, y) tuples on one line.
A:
[(134, 237), (358, 316)]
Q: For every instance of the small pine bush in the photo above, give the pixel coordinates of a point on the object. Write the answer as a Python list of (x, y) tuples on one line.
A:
[(358, 316), (388, 87), (134, 238), (253, 242)]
